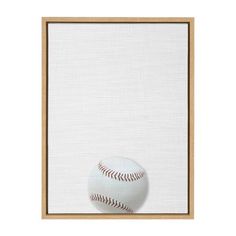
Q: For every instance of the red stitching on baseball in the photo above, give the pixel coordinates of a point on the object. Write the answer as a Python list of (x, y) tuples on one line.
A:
[(120, 176), (110, 201)]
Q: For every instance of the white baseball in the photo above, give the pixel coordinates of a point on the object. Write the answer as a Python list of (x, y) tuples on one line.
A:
[(118, 185)]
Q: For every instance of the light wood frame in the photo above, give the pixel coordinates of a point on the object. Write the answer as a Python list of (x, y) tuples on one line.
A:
[(190, 22)]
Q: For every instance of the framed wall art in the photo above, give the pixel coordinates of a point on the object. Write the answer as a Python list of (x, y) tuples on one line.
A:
[(118, 118)]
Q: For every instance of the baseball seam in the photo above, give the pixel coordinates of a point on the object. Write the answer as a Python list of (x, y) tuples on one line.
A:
[(118, 175), (110, 202)]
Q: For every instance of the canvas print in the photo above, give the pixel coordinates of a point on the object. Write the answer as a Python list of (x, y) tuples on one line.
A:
[(118, 118)]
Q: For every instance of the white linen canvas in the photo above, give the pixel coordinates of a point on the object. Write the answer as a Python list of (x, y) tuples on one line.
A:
[(117, 89)]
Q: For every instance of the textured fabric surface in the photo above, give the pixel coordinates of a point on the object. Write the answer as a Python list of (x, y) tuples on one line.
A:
[(117, 90)]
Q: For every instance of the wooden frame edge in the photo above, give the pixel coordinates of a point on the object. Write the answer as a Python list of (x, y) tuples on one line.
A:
[(191, 112), (118, 19), (45, 21), (44, 118), (118, 216)]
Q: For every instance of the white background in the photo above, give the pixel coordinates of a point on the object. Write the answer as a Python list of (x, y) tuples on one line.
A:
[(117, 90), (20, 120)]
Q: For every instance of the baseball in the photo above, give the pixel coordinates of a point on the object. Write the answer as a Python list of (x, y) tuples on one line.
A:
[(118, 185)]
